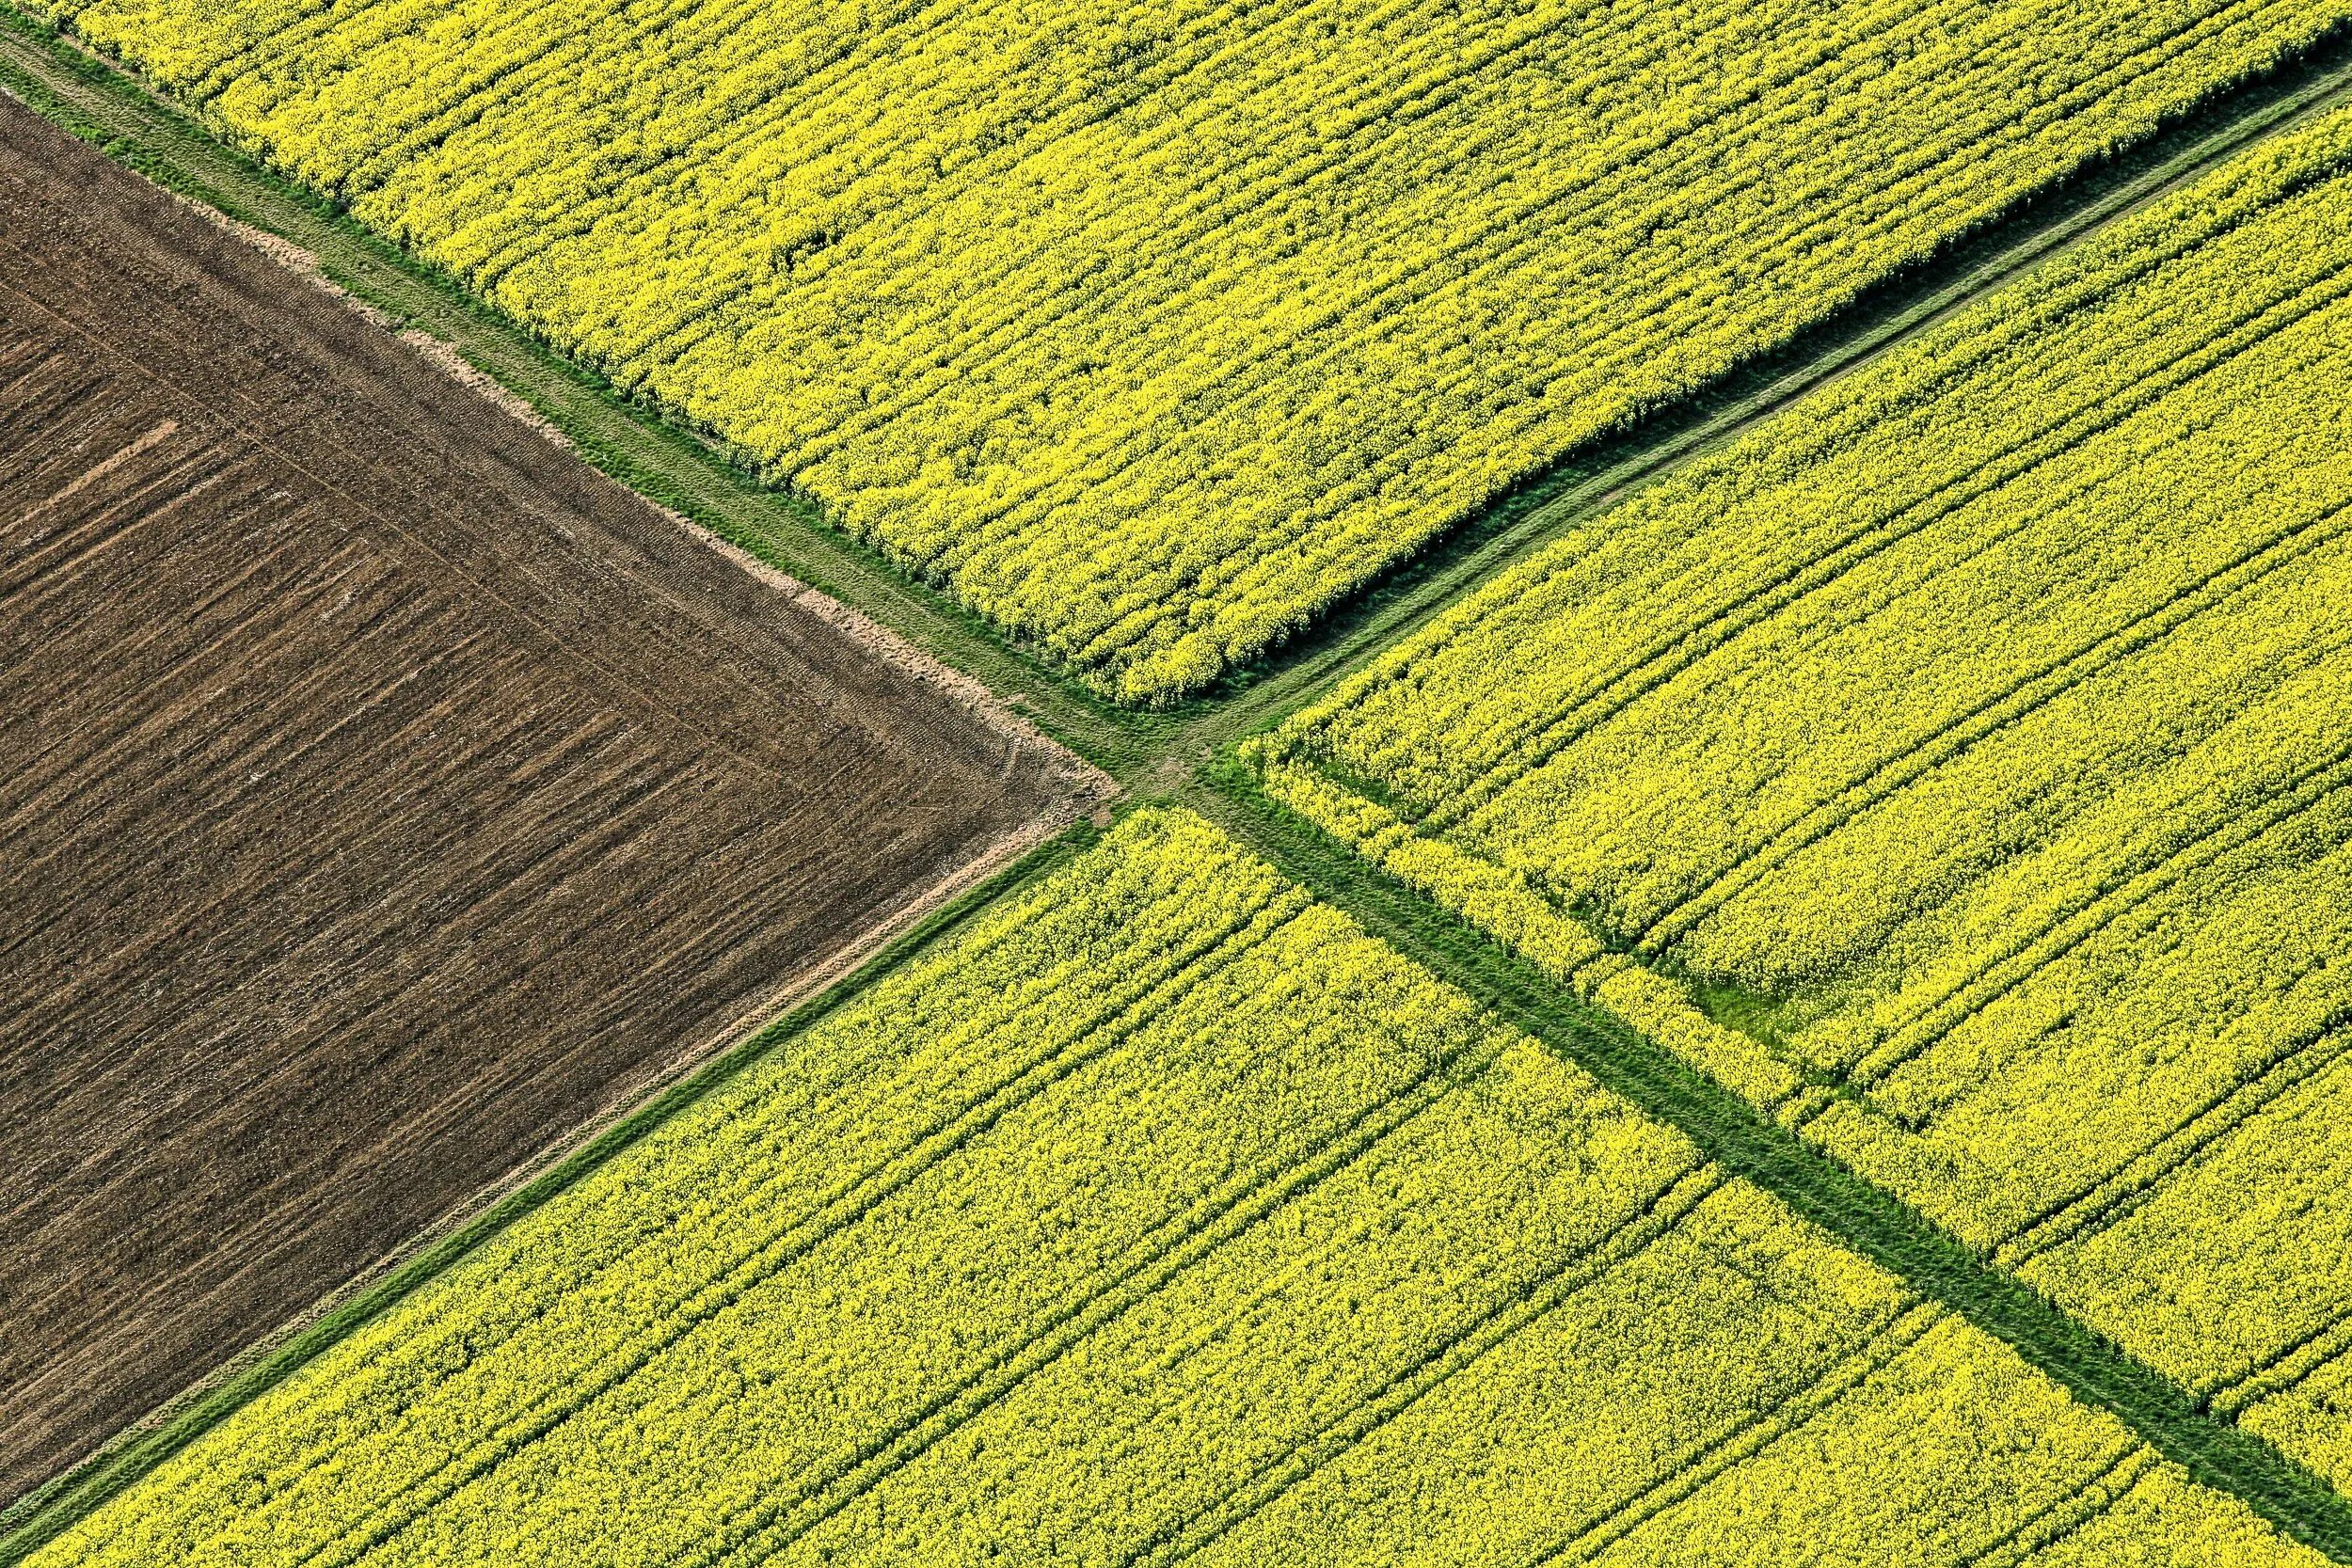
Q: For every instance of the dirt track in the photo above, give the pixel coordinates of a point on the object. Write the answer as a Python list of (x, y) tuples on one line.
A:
[(383, 796)]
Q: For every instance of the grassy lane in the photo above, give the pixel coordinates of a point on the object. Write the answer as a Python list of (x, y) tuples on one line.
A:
[(1864, 1217), (1162, 1214), (1155, 753), (1590, 482), (1149, 752), (1242, 307), (653, 458)]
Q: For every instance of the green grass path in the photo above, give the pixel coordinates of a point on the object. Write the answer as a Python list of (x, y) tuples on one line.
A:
[(1742, 1140), (1148, 752), (1185, 752)]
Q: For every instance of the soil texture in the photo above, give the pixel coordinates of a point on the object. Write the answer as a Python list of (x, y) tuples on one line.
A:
[(385, 797)]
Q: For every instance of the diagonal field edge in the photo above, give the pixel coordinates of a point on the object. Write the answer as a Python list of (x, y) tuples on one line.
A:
[(629, 441), (1930, 1260), (648, 450), (1152, 749), (2039, 225), (32, 1521)]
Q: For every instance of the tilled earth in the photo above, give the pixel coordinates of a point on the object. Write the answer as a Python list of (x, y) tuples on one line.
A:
[(384, 797)]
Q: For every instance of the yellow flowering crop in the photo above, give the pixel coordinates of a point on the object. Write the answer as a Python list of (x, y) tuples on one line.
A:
[(1151, 331), (1961, 767), (1161, 1212)]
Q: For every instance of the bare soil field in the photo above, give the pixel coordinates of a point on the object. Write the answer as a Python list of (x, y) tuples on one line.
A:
[(385, 797)]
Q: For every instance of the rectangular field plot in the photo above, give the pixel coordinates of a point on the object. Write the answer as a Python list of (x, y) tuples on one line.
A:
[(1151, 333), (1961, 767), (385, 796), (1162, 1214)]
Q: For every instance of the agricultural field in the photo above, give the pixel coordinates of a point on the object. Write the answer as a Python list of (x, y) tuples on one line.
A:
[(1152, 335), (1271, 784), (386, 796), (1160, 1212), (1958, 768)]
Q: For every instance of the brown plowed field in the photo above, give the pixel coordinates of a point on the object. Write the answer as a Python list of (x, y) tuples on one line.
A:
[(384, 797)]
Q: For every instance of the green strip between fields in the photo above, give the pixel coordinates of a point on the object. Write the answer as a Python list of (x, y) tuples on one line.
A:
[(1146, 751), (629, 441), (1154, 754), (1930, 1260)]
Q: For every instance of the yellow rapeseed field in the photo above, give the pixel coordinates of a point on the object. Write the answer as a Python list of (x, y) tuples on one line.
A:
[(1162, 1213), (1150, 331), (1961, 767)]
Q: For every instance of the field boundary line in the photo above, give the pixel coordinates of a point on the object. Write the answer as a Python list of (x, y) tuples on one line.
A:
[(1680, 647), (2284, 1370), (628, 440), (2095, 1206), (2152, 867), (1994, 714), (687, 469), (1351, 633), (1154, 752), (41, 1514), (1932, 1262), (2019, 1545)]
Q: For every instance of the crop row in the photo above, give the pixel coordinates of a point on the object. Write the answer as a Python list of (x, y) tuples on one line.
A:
[(1162, 1213), (1152, 335), (1976, 739)]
